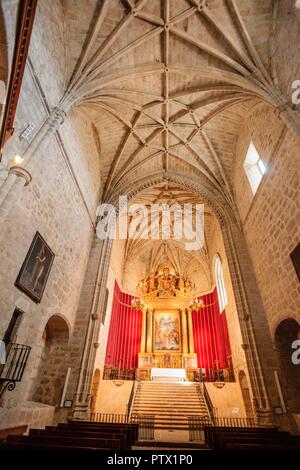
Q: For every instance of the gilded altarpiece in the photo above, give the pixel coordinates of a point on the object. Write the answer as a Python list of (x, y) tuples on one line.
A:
[(167, 331)]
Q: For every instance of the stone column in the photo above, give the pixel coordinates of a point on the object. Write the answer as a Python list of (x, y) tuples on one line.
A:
[(94, 301), (191, 333), (15, 175), (143, 336), (149, 346), (184, 332), (257, 344), (18, 177)]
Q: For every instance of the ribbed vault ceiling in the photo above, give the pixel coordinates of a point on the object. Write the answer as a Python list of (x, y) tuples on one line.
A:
[(171, 196), (168, 82)]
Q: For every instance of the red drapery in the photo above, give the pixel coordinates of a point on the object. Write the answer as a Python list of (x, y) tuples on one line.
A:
[(124, 338), (211, 336)]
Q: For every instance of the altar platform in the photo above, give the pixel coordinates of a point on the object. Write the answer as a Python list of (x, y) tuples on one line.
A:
[(168, 374)]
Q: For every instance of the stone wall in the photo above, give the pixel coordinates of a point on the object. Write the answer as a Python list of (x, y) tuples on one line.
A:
[(104, 329), (271, 217), (113, 398), (66, 183), (227, 400), (216, 247), (55, 204)]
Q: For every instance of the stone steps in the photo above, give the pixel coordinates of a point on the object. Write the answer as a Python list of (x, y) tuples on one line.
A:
[(158, 405), (171, 404), (161, 412)]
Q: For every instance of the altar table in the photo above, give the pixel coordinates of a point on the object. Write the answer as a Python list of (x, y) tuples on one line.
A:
[(168, 375)]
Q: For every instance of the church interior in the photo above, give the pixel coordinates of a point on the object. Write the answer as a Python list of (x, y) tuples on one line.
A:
[(149, 339)]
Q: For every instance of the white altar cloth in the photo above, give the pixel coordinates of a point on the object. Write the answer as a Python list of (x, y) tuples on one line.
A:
[(168, 375)]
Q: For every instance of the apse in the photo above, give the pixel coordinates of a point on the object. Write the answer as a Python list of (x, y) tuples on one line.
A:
[(166, 311)]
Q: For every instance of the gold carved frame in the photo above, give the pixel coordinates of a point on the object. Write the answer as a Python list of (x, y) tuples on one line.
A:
[(175, 312)]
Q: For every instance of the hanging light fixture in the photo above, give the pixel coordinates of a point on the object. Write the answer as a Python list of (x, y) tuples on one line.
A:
[(137, 303), (196, 304)]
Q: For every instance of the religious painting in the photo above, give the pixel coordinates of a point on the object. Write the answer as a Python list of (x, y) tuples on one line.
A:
[(166, 331), (295, 257), (35, 270)]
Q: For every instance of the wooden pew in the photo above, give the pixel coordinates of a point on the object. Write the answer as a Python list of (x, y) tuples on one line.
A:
[(92, 443), (258, 443), (55, 431), (131, 430), (47, 447), (15, 431), (258, 438), (211, 433), (78, 435)]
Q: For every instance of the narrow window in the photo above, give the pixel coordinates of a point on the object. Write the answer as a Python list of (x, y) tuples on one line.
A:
[(254, 167), (105, 307), (221, 290)]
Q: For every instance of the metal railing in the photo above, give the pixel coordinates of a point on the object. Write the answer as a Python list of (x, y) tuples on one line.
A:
[(131, 398), (236, 422), (109, 418), (118, 373), (145, 422), (211, 409), (146, 426), (215, 375), (198, 423), (13, 369), (196, 427)]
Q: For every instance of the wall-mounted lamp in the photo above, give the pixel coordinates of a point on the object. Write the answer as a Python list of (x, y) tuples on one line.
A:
[(18, 160)]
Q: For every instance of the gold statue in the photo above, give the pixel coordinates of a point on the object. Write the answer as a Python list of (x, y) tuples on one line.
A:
[(152, 282), (166, 279), (170, 284)]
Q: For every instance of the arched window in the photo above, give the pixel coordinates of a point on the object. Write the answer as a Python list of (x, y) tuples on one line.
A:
[(219, 278), (254, 167)]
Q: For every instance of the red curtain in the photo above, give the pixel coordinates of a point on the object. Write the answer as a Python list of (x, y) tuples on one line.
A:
[(209, 325), (211, 336), (124, 338)]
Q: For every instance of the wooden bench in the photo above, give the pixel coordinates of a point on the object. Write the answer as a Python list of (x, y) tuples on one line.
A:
[(78, 433), (211, 433), (131, 430), (47, 447), (83, 442), (14, 431), (257, 443), (237, 438)]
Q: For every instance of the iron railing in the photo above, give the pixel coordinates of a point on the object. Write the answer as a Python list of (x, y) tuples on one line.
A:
[(145, 422), (109, 418), (146, 426), (13, 369), (197, 424), (196, 427), (131, 398), (215, 375), (118, 373), (211, 409), (237, 422)]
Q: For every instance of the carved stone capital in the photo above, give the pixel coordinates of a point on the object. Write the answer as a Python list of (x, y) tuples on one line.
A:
[(22, 173), (56, 118)]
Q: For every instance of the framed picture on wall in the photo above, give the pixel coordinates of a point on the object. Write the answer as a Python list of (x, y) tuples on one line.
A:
[(166, 331), (35, 269), (295, 257)]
